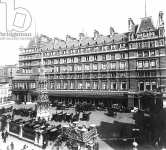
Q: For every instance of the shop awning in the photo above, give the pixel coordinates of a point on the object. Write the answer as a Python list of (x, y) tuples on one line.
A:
[(85, 93)]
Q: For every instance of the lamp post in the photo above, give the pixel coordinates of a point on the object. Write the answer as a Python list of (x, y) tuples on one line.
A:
[(135, 145)]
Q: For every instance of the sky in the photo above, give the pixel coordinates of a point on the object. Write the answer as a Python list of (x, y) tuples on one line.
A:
[(57, 18)]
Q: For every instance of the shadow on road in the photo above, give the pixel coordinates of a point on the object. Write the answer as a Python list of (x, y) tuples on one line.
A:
[(116, 134)]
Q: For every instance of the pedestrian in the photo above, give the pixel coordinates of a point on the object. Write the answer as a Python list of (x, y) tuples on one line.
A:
[(3, 135), (7, 148), (13, 113), (6, 134), (4, 139), (12, 146), (24, 147)]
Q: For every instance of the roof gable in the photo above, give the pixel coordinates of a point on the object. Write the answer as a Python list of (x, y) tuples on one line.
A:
[(146, 25)]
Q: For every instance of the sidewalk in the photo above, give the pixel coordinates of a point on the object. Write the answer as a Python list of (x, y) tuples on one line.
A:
[(18, 144)]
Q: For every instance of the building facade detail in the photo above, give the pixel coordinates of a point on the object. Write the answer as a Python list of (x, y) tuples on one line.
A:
[(114, 64)]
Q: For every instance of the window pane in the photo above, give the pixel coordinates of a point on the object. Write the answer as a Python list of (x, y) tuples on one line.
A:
[(141, 86)]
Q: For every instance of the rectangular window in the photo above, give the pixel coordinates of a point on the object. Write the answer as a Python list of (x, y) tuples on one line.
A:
[(122, 65), (146, 53), (147, 85), (80, 85), (113, 65), (58, 85), (140, 54), (113, 47), (141, 86), (79, 59), (95, 85), (140, 74), (123, 56), (114, 86), (95, 67), (147, 74), (157, 53), (68, 60), (123, 86), (103, 66), (146, 64), (104, 85), (153, 63), (71, 85), (112, 56), (103, 57), (152, 53), (57, 69), (79, 67), (153, 74), (108, 56), (65, 85), (87, 67), (87, 58), (117, 56), (140, 64), (75, 59), (72, 59), (154, 86), (95, 58), (87, 85)]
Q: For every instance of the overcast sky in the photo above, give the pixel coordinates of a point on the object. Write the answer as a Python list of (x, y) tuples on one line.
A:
[(57, 18)]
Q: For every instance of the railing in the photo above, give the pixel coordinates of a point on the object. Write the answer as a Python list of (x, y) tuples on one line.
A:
[(14, 128), (28, 133)]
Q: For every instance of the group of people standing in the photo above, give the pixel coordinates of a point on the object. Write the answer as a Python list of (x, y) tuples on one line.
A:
[(4, 135)]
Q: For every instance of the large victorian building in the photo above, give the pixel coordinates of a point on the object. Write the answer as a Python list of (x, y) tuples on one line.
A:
[(109, 69)]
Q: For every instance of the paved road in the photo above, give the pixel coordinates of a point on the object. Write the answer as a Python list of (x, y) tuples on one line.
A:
[(104, 125)]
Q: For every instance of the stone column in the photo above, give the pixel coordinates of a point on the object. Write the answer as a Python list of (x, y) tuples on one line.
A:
[(17, 97), (36, 138), (108, 84), (139, 103), (29, 99), (7, 126), (130, 100), (99, 85), (25, 98), (41, 139), (20, 134)]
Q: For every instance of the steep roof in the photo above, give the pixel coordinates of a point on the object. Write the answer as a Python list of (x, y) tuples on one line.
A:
[(146, 25)]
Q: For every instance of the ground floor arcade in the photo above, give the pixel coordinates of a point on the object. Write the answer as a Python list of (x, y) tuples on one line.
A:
[(141, 100)]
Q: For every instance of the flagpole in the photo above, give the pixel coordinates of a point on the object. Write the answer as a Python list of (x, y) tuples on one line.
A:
[(145, 9)]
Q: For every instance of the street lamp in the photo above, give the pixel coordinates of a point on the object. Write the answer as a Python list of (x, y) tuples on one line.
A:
[(135, 145)]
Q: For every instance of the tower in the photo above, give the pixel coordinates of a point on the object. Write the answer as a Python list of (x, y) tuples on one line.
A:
[(161, 24), (43, 104)]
